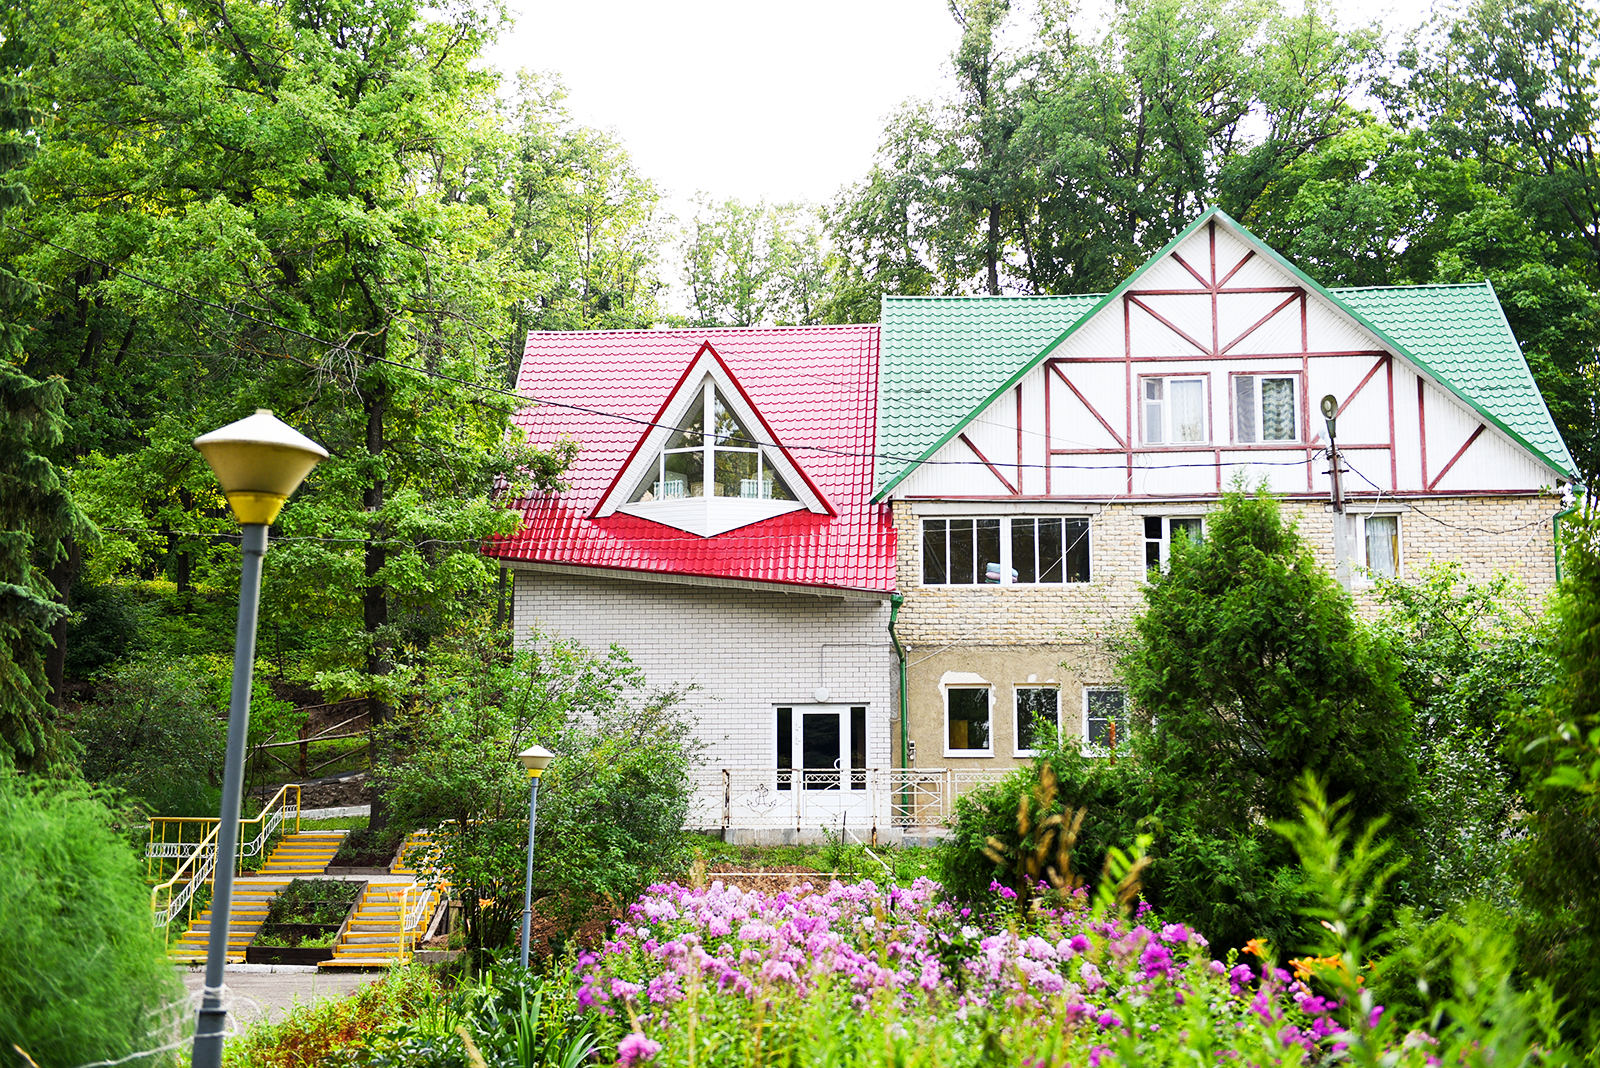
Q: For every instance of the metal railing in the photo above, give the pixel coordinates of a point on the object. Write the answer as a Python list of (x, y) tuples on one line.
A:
[(809, 798), (192, 842)]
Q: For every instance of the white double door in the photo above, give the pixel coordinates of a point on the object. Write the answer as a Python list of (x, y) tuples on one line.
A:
[(824, 761)]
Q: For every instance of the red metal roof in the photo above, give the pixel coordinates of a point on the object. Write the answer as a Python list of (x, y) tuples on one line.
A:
[(815, 386)]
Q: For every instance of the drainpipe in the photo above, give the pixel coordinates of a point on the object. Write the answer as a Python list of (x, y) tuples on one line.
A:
[(895, 601)]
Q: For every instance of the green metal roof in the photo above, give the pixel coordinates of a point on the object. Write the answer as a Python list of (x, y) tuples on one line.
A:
[(942, 355), (945, 359), (1460, 334)]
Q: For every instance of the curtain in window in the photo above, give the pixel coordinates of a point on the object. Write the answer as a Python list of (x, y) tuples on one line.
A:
[(1383, 545), (1277, 409), (1244, 408), (1188, 410)]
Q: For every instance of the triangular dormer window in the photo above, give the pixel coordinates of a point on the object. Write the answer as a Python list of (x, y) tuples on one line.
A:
[(704, 482), (734, 456)]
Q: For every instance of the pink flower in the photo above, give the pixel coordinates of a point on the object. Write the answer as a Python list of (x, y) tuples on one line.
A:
[(636, 1049)]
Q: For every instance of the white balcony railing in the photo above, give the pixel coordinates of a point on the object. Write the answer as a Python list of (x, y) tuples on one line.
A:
[(807, 799)]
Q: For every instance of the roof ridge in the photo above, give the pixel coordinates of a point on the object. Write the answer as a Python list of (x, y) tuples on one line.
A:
[(1410, 285), (993, 296)]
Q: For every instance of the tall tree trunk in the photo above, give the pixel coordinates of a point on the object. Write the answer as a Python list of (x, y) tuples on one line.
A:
[(992, 253), (62, 576), (374, 597)]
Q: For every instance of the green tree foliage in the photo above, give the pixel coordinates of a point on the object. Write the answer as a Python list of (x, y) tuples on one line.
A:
[(611, 807), (1247, 669), (587, 227), (1472, 656), (83, 974), (319, 223), (155, 730), (36, 511), (752, 264), (1559, 753), (1061, 164)]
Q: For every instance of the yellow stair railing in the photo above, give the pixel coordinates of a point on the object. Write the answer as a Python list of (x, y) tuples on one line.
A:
[(192, 842)]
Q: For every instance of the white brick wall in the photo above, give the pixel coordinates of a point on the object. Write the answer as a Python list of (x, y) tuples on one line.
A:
[(746, 650)]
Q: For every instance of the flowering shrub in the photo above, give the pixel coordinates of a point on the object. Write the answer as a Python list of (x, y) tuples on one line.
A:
[(862, 975)]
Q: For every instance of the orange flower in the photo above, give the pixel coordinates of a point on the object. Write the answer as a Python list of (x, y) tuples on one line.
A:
[(1258, 946)]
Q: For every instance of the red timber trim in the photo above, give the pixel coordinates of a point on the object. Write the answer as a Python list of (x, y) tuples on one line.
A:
[(1019, 435), (1211, 240), (1445, 470), (1294, 355), (1004, 481), (672, 395), (1394, 463), (1422, 430), (1127, 365), (1123, 498), (1305, 383), (1259, 323)]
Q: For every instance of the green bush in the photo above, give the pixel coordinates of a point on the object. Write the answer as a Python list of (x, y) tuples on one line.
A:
[(611, 807), (83, 972), (154, 732)]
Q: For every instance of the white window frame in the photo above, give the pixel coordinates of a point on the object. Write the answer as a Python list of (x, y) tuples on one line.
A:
[(1166, 537), (1167, 440), (1094, 749), (963, 680), (1016, 714), (708, 448), (1007, 567), (1255, 378), (1361, 540)]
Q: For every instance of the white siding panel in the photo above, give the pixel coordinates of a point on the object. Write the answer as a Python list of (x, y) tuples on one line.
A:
[(1329, 331), (1240, 312), (1151, 337), (1099, 337), (1284, 472), (1088, 476), (1072, 425)]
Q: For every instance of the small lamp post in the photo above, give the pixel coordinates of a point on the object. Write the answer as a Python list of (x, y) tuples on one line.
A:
[(535, 759), (260, 461)]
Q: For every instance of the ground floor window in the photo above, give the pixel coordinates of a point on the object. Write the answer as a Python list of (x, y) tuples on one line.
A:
[(1104, 718), (1036, 708), (1005, 551), (831, 742), (967, 720), (1380, 542), (1160, 530)]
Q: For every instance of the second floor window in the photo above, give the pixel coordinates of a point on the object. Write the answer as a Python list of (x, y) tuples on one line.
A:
[(736, 464), (1008, 551), (1173, 410), (1264, 408)]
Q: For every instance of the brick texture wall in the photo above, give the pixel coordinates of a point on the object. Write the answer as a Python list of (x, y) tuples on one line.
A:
[(746, 651), (1483, 534)]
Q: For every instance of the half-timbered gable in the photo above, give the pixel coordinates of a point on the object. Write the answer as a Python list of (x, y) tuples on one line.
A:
[(1046, 452)]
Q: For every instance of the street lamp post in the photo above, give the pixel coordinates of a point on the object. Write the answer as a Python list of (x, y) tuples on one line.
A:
[(1341, 532), (535, 759), (259, 460)]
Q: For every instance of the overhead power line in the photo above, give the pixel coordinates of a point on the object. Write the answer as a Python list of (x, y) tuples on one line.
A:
[(526, 401)]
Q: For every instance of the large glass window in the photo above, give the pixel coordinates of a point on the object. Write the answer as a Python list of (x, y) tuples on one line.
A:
[(1264, 408), (1036, 707), (738, 465), (967, 719), (1005, 551), (1173, 410), (1104, 718)]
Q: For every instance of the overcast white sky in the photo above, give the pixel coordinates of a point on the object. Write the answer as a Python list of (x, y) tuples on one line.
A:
[(773, 101)]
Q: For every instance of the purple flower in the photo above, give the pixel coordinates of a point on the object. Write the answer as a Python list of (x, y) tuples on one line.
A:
[(1156, 960), (1079, 944), (1004, 891), (636, 1049)]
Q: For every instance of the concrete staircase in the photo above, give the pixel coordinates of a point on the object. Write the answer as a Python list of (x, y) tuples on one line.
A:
[(251, 898), (418, 855), (374, 939), (296, 855), (303, 854)]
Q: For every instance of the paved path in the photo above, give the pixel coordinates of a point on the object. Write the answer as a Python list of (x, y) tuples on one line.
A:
[(274, 993)]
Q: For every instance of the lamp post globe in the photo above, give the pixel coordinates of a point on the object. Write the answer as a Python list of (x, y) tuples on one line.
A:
[(260, 460), (535, 759)]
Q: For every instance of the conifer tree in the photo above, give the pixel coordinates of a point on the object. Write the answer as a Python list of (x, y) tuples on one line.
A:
[(35, 508)]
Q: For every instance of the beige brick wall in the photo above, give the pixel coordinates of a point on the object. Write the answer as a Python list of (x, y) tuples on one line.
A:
[(1007, 633)]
